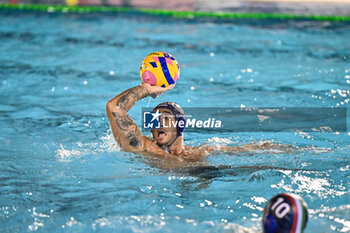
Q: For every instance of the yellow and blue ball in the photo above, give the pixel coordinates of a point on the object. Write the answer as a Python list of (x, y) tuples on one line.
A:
[(160, 69)]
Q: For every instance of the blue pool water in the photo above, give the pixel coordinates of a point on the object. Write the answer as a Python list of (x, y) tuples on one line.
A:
[(61, 171)]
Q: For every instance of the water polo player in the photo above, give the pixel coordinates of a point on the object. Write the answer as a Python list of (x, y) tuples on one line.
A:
[(166, 141), (159, 73)]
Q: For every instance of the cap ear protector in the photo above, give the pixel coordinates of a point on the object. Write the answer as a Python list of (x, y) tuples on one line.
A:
[(181, 126), (285, 213), (179, 114)]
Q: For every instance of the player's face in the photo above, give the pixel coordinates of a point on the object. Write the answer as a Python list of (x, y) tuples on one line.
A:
[(166, 134)]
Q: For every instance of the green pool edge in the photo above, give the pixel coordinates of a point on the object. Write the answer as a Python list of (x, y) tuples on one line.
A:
[(172, 13)]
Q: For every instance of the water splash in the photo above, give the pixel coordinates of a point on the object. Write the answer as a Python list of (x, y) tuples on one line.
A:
[(106, 143), (216, 141)]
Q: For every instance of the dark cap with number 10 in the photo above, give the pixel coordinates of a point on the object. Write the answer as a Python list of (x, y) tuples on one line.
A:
[(285, 213)]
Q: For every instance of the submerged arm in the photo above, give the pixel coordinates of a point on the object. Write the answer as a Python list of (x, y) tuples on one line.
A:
[(250, 147)]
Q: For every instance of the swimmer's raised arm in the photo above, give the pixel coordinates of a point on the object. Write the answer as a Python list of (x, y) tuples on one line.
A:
[(124, 129)]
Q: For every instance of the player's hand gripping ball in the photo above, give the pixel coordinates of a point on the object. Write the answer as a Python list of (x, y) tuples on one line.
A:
[(285, 213), (159, 69)]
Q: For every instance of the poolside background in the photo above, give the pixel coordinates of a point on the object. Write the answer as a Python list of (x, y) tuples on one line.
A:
[(308, 7)]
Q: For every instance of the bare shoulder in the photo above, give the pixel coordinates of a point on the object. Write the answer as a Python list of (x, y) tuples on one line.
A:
[(152, 147), (190, 153)]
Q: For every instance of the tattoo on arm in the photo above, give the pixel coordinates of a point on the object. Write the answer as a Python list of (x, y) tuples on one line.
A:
[(129, 129), (123, 122), (134, 140), (129, 99), (126, 131)]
